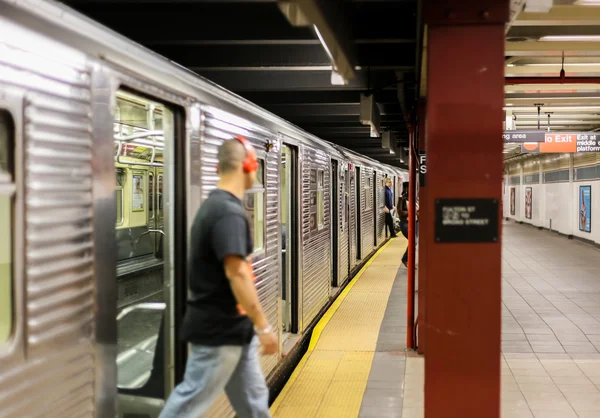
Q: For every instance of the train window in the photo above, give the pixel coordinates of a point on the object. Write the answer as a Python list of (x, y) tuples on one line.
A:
[(151, 197), (119, 195), (368, 196), (137, 192), (254, 203), (7, 194), (320, 199), (159, 192)]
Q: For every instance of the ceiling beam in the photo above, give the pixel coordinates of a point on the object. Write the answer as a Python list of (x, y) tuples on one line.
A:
[(305, 109), (326, 17), (270, 80), (219, 20), (552, 48), (266, 98), (388, 55), (552, 70), (536, 32), (560, 16)]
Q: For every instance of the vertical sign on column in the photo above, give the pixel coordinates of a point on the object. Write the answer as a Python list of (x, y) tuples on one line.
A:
[(422, 168)]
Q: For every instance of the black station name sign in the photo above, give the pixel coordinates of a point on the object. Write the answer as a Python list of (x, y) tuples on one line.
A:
[(422, 168), (524, 136), (466, 220)]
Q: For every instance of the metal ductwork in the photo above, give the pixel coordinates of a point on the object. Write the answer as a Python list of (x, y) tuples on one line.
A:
[(516, 7), (326, 18), (369, 114), (538, 6)]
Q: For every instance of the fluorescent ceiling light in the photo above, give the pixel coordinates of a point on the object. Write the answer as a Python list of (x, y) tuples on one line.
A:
[(588, 2), (558, 64), (570, 38)]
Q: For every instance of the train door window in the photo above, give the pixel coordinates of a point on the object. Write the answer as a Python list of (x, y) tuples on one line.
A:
[(144, 129), (151, 197), (7, 195), (120, 174), (359, 199), (368, 195), (159, 200), (320, 199), (254, 203), (343, 201)]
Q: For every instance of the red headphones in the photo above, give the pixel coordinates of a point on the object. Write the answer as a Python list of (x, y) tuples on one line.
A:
[(250, 163)]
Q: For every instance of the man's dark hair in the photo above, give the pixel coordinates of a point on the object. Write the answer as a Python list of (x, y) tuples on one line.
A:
[(230, 156)]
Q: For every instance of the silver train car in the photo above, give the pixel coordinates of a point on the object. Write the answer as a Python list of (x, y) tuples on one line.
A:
[(106, 152)]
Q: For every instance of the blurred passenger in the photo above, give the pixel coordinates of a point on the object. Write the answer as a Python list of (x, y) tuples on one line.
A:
[(403, 215), (224, 321), (388, 208)]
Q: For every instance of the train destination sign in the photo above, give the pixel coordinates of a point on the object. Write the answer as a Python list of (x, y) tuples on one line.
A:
[(565, 142), (466, 220), (524, 136)]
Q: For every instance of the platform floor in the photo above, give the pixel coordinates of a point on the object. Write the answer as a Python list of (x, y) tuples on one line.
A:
[(550, 338), (356, 355)]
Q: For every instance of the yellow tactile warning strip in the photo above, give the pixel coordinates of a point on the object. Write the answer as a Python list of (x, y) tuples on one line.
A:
[(331, 378)]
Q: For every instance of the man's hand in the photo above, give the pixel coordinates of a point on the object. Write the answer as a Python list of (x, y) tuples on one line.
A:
[(268, 343), (386, 210)]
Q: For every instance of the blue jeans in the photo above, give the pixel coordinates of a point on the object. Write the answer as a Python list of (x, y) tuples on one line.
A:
[(212, 370)]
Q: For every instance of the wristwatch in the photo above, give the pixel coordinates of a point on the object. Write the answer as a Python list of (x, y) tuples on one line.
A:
[(267, 330)]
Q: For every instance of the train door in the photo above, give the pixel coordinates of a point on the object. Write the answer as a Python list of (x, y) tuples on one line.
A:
[(147, 166), (335, 223), (289, 213), (375, 207), (358, 184), (346, 202)]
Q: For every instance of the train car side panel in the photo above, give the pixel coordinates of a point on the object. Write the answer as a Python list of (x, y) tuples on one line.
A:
[(316, 271), (261, 204), (344, 224), (53, 84)]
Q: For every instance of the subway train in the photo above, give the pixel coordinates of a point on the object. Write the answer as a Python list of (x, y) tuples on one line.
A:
[(106, 153)]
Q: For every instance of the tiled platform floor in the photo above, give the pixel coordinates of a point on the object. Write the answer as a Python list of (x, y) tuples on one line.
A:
[(334, 374), (550, 338), (550, 329)]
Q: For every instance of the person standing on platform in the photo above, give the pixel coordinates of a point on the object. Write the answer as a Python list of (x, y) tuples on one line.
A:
[(224, 321), (403, 214), (388, 208)]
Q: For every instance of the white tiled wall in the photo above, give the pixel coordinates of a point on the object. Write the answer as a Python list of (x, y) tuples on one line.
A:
[(555, 203)]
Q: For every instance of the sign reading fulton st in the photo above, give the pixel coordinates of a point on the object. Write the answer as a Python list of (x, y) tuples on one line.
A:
[(554, 142)]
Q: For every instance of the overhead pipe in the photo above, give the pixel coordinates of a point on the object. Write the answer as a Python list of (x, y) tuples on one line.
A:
[(511, 81)]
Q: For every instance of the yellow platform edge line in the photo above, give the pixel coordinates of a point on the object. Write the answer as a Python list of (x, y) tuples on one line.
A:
[(318, 329)]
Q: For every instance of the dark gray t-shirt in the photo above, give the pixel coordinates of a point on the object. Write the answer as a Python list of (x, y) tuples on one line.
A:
[(220, 229)]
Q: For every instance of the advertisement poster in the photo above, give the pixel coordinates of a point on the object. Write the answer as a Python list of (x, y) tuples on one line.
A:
[(512, 201), (137, 201), (585, 208), (528, 202)]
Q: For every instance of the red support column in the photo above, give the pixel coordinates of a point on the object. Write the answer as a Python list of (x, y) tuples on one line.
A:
[(412, 180), (425, 223), (464, 151)]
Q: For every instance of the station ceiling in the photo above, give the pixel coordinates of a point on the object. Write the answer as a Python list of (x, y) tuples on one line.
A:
[(536, 45), (255, 49)]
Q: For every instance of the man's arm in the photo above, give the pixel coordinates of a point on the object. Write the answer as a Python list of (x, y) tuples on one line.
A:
[(230, 243), (241, 280)]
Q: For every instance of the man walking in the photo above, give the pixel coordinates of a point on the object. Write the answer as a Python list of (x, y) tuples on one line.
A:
[(389, 206), (224, 321)]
